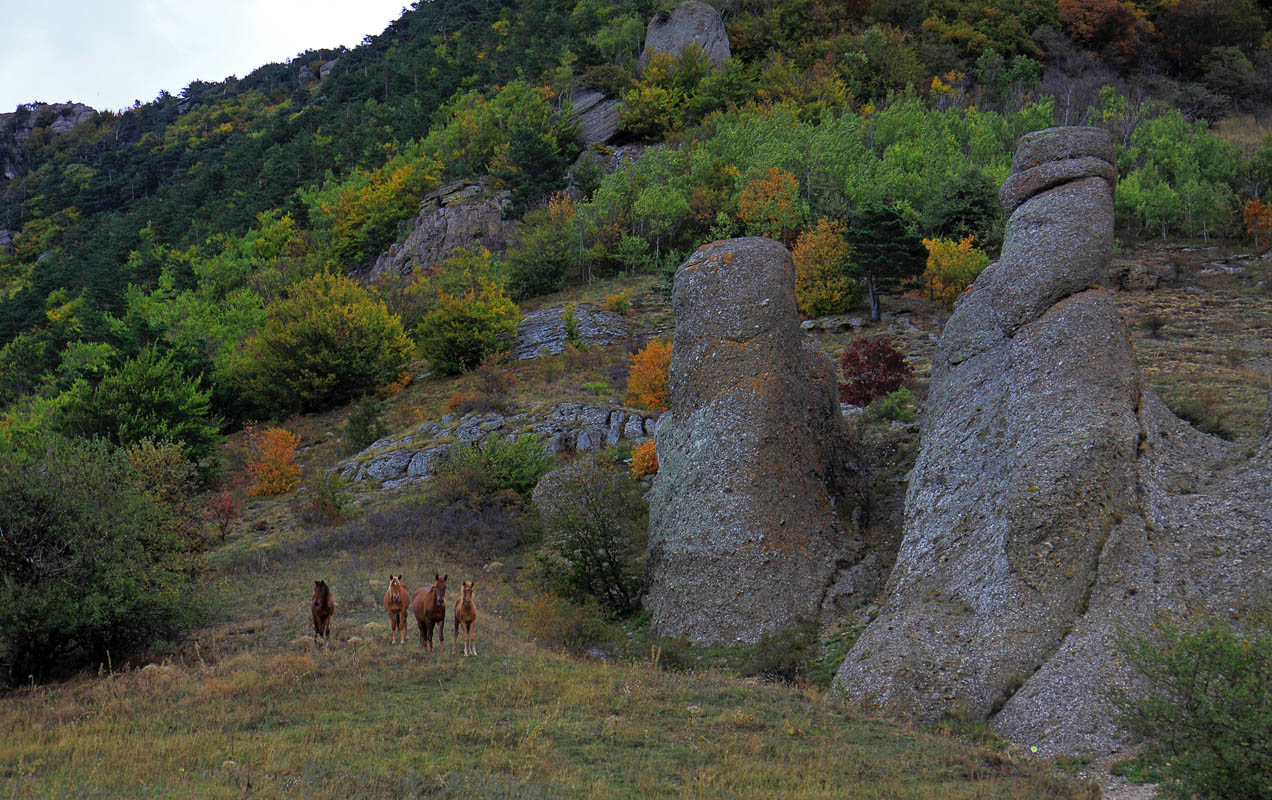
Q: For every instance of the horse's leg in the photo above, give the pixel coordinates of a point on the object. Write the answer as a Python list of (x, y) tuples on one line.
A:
[(472, 640), (420, 622)]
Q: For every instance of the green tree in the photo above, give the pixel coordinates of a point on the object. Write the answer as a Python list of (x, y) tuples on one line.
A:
[(886, 250), (148, 397), (464, 329), (95, 564), (325, 343)]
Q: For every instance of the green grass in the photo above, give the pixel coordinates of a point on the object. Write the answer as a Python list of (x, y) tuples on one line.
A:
[(370, 719)]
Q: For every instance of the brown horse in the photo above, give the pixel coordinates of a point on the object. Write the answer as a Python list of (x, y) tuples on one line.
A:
[(323, 607), (397, 601), (466, 613), (429, 607)]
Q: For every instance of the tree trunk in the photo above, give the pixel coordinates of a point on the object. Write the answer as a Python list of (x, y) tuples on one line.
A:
[(874, 298)]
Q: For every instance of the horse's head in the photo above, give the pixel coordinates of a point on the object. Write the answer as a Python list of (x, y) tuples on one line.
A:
[(395, 584), (439, 590), (321, 591), (467, 591)]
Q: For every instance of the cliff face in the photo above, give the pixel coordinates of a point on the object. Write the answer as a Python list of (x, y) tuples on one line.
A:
[(747, 530), (16, 127), (1055, 501)]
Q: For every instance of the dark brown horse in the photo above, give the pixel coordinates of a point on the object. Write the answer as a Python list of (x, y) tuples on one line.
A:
[(429, 607), (397, 601), (323, 607), (466, 614)]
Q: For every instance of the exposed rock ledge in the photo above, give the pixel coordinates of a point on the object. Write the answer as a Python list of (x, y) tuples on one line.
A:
[(411, 457)]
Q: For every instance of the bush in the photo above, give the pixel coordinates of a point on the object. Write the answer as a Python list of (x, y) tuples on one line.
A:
[(222, 509), (546, 247), (783, 655), (464, 330), (1153, 324), (1206, 704), (771, 206), (497, 464), (647, 378), (93, 566), (644, 459), (872, 368), (148, 397), (594, 535), (822, 259), (365, 424), (557, 622), (272, 461), (897, 406), (321, 346), (951, 268)]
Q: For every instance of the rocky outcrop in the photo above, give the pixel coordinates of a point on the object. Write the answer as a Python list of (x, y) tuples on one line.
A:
[(747, 529), (597, 116), (413, 456), (17, 126), (1055, 500), (460, 214), (544, 332), (691, 22)]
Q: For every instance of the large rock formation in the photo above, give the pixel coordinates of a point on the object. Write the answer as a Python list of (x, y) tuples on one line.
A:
[(460, 214), (1055, 501), (747, 526), (17, 126), (691, 22), (544, 331)]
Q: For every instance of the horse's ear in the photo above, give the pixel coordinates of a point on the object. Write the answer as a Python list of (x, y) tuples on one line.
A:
[(444, 577), (436, 577)]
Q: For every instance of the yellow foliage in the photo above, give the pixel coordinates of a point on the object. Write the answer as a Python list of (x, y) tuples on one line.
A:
[(822, 258), (644, 459), (647, 380), (951, 268)]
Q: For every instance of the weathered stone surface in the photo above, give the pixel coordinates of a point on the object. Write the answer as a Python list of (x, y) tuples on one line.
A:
[(413, 456), (460, 214), (543, 331), (17, 126), (691, 22), (326, 68), (1060, 144), (744, 533), (1130, 276), (597, 116), (1021, 186), (1055, 500)]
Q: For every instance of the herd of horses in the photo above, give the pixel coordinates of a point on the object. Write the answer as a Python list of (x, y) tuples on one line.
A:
[(427, 604)]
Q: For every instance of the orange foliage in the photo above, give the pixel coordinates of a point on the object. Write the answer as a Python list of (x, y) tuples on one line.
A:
[(771, 206), (951, 268), (644, 459), (1258, 221), (272, 461), (403, 380), (647, 380), (1113, 27)]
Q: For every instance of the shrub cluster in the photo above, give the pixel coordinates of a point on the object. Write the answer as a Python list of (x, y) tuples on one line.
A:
[(873, 367)]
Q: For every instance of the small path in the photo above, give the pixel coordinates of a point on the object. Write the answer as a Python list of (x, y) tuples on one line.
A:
[(1113, 786)]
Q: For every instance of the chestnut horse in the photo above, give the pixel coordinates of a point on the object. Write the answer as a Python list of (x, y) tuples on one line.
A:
[(397, 601), (466, 613), (323, 607), (429, 607)]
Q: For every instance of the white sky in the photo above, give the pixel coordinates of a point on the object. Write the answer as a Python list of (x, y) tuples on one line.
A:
[(108, 53)]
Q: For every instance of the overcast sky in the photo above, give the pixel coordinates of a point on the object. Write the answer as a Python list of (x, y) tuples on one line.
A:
[(108, 53)]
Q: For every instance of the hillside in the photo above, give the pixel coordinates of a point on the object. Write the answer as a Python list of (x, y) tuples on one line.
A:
[(249, 332)]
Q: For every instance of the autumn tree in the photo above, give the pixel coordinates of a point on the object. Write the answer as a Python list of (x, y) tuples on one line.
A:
[(1116, 29), (771, 206), (644, 459), (647, 378), (822, 259), (951, 268), (872, 368), (272, 461), (1257, 216), (463, 329)]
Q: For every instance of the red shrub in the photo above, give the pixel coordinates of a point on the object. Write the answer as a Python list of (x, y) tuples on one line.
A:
[(872, 368)]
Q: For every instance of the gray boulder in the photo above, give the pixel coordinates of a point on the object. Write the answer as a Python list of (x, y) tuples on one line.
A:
[(691, 22), (1055, 500), (745, 532), (597, 116), (460, 214), (543, 331)]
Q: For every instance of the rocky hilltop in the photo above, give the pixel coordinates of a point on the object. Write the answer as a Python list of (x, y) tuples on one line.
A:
[(17, 126), (1056, 501), (750, 526)]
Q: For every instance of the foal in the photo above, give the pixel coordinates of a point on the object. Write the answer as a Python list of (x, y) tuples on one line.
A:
[(466, 613), (429, 607), (323, 607), (397, 601)]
